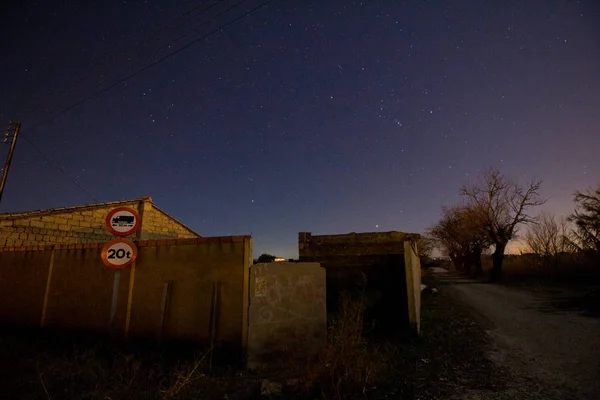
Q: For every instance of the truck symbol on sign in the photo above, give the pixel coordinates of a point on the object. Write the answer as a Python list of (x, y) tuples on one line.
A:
[(123, 220)]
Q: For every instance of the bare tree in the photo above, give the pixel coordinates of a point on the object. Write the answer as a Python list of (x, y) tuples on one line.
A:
[(445, 235), (587, 221), (266, 258), (475, 235), (460, 235), (548, 237), (501, 206), (425, 246)]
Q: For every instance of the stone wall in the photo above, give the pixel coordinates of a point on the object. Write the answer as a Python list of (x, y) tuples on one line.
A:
[(352, 244), (156, 224), (84, 224)]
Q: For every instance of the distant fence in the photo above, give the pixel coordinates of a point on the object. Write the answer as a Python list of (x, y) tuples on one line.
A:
[(184, 289), (573, 267)]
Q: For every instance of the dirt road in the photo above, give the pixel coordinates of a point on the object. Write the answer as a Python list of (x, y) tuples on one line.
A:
[(548, 353)]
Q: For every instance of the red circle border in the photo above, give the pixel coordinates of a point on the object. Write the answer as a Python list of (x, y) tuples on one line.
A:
[(104, 252), (138, 221)]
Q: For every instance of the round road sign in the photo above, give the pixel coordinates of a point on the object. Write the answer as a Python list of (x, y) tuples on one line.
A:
[(123, 221), (119, 253)]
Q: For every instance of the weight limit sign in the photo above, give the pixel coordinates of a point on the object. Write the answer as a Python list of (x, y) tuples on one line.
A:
[(119, 253)]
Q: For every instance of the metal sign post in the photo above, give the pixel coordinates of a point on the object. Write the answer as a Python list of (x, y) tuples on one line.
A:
[(115, 299), (119, 253)]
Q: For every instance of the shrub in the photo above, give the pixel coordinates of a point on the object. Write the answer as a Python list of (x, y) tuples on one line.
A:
[(349, 364)]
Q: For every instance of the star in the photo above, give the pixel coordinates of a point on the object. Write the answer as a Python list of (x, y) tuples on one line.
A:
[(518, 89)]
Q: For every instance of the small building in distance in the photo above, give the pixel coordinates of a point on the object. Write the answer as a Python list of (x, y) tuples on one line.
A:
[(86, 224)]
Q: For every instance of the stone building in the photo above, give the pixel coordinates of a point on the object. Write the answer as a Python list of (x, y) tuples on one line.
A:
[(385, 265), (86, 224)]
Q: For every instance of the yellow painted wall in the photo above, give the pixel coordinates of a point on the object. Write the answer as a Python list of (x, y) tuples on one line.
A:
[(80, 292), (23, 277), (192, 270), (80, 288)]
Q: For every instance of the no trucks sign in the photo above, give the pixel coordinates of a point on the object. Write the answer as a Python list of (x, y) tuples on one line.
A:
[(123, 221)]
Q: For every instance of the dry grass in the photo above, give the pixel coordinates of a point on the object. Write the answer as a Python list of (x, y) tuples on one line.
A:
[(36, 366), (189, 374), (349, 364), (447, 359)]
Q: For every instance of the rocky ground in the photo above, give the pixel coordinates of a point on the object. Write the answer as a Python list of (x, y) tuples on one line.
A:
[(546, 339), (479, 341)]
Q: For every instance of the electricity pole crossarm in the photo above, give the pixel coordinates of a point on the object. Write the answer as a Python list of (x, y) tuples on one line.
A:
[(14, 129)]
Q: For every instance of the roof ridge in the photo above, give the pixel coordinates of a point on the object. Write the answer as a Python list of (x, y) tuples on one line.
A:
[(71, 208)]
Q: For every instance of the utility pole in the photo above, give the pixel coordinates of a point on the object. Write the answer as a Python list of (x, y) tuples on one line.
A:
[(13, 128)]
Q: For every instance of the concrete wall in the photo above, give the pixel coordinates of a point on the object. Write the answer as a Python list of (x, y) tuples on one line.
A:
[(85, 224), (23, 277), (287, 317), (192, 271), (80, 291), (377, 256), (352, 244), (69, 287), (413, 284)]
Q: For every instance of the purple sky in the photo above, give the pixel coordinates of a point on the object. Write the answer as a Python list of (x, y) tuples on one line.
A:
[(320, 116)]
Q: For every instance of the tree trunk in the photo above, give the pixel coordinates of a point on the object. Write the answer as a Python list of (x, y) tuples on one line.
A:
[(497, 258), (467, 268), (463, 265), (477, 261), (454, 262), (459, 263)]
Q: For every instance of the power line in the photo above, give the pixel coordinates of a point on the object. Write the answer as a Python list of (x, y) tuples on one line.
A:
[(60, 169), (152, 64), (126, 78), (131, 51)]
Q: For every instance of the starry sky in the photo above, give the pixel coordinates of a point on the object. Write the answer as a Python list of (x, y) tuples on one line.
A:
[(318, 116)]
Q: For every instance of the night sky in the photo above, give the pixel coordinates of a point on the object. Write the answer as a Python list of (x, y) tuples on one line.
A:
[(319, 116)]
